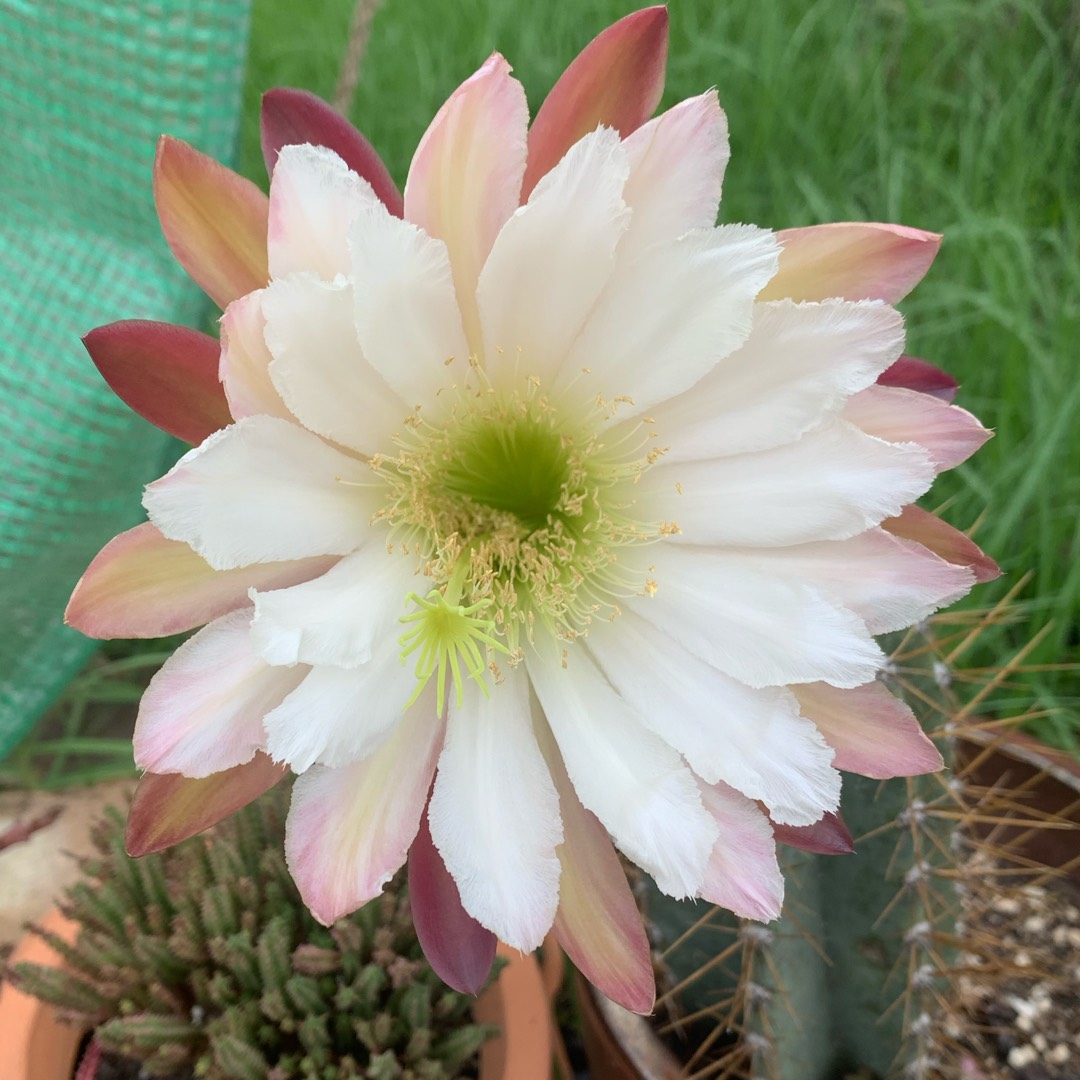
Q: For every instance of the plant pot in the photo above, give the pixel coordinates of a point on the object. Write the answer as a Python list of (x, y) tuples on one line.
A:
[(37, 1046), (1042, 782)]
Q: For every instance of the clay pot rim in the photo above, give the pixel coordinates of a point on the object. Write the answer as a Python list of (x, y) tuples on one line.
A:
[(37, 1046)]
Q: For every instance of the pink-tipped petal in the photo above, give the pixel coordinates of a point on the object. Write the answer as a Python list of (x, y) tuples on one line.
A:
[(457, 947), (677, 164), (873, 732), (245, 360), (914, 374), (465, 177), (827, 836), (203, 711), (949, 433), (943, 540), (597, 922), (616, 80), (743, 874), (349, 829), (167, 807), (141, 585), (855, 260), (290, 117), (166, 373), (214, 220)]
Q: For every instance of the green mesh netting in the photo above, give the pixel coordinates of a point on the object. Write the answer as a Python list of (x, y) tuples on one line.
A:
[(86, 87)]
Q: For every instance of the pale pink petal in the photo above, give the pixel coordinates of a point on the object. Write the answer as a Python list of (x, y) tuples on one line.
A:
[(888, 582), (141, 585), (914, 523), (340, 617), (263, 491), (754, 627), (754, 740), (873, 732), (458, 948), (826, 836), (465, 177), (743, 874), (245, 360), (856, 260), (834, 482), (290, 117), (644, 795), (203, 711), (494, 813), (552, 260), (406, 311), (166, 373), (319, 368), (167, 807), (799, 365), (915, 374), (349, 829), (213, 220), (666, 319), (597, 923), (677, 166), (949, 433), (616, 80), (314, 196), (337, 716)]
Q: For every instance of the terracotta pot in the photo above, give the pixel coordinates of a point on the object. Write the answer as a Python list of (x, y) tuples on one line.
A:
[(37, 1046), (1041, 781)]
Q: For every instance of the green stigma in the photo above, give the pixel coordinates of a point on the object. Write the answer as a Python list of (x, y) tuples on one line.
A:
[(447, 635)]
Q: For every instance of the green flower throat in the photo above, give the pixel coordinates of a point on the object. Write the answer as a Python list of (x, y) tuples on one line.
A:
[(520, 512)]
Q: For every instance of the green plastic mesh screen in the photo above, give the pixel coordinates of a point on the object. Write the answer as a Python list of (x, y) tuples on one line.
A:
[(86, 87)]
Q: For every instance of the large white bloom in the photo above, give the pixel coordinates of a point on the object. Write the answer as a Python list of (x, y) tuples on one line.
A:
[(560, 532)]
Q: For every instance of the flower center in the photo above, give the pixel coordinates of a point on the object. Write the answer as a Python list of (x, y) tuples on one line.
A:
[(520, 511)]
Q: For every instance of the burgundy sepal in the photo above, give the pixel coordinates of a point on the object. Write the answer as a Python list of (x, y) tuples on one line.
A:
[(827, 836), (167, 374), (914, 374), (293, 116), (458, 948)]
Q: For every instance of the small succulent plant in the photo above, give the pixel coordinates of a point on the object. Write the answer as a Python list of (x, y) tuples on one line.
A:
[(864, 973), (204, 958)]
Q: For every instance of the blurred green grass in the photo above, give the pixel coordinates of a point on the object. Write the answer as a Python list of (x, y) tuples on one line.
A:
[(962, 117)]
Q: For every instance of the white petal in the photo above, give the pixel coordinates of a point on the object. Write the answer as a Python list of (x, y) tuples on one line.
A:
[(888, 582), (552, 259), (337, 618), (667, 318), (628, 777), (349, 829), (406, 311), (203, 711), (245, 361), (755, 740), (337, 716), (754, 627), (743, 873), (799, 364), (494, 813), (677, 163), (834, 482), (314, 196), (263, 490), (319, 369)]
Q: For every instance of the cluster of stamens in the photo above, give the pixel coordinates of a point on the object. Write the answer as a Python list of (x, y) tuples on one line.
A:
[(518, 510)]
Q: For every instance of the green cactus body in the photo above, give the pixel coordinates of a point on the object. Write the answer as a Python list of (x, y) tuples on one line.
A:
[(204, 958)]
